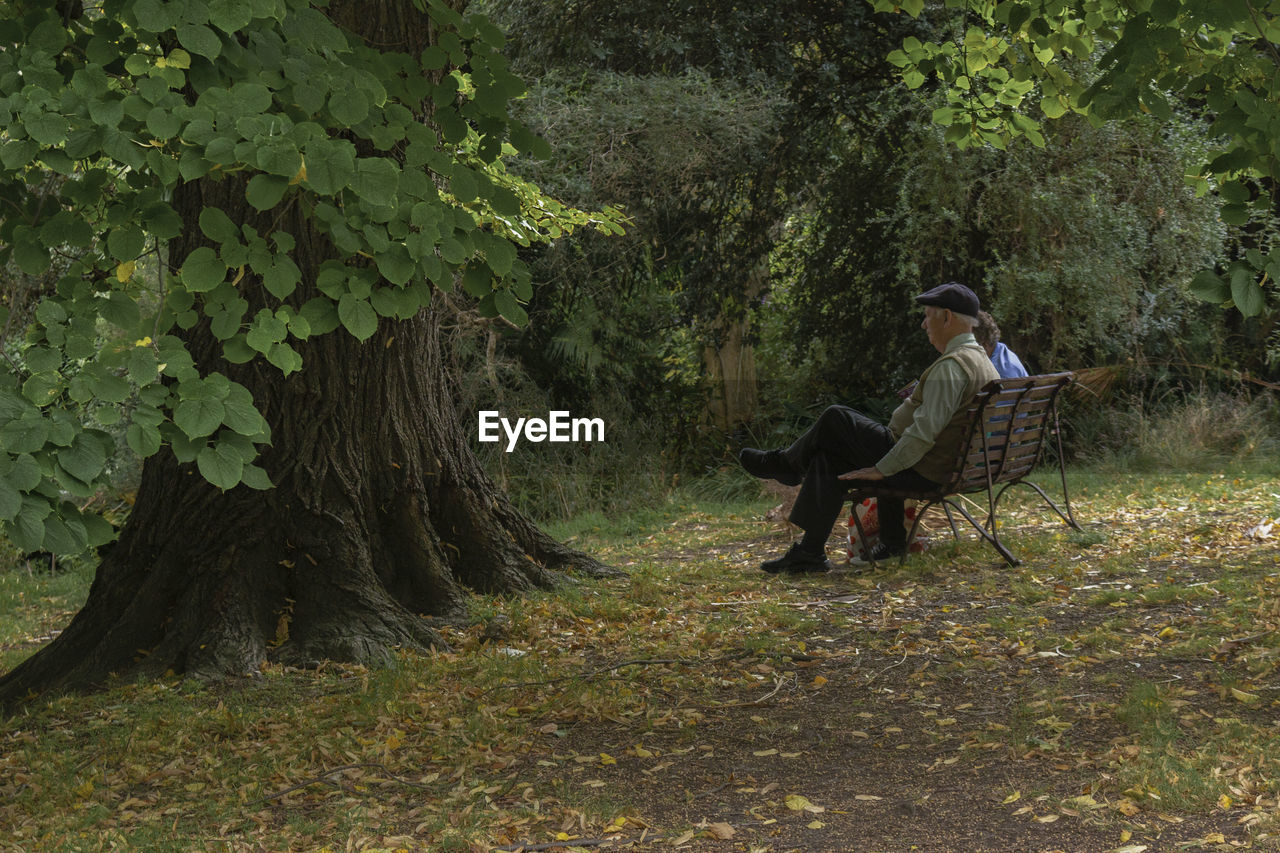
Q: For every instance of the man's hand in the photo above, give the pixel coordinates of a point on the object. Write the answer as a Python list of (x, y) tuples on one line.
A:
[(872, 473)]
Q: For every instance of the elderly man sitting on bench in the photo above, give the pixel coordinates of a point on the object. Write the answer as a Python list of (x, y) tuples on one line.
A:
[(917, 449)]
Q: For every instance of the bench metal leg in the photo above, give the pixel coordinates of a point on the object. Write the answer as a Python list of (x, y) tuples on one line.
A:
[(991, 537), (951, 519), (1067, 516)]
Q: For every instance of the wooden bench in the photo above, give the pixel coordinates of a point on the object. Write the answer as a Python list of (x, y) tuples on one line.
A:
[(1010, 421)]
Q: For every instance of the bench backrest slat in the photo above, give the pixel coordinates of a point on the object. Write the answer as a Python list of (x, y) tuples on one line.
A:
[(1009, 422)]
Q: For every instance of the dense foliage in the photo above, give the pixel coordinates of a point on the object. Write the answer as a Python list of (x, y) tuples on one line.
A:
[(108, 111), (1085, 246), (1010, 63), (1082, 249)]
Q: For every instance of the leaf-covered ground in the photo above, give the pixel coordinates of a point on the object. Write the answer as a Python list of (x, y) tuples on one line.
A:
[(1118, 691)]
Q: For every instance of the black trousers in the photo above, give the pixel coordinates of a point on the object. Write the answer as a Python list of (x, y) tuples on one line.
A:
[(842, 440)]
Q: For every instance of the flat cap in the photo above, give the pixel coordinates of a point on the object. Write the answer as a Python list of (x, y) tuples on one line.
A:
[(954, 296)]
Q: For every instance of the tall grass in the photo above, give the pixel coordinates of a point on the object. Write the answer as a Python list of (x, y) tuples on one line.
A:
[(1199, 431)]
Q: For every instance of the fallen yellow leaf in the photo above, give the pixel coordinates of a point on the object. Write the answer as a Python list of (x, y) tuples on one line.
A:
[(1012, 798), (800, 803), (721, 830)]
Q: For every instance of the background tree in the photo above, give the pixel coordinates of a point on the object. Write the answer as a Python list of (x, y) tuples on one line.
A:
[(709, 124), (1086, 247), (1016, 61), (1083, 248), (310, 179)]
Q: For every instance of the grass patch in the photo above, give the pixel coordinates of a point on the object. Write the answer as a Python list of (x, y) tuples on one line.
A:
[(1137, 662), (35, 603)]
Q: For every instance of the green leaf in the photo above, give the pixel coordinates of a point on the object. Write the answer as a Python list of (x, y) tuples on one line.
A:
[(349, 105), (452, 250), (153, 15), (377, 179), (230, 15), (24, 474), (256, 478), (1246, 292), (330, 165), (108, 387), (266, 330), (358, 316), (84, 459), (224, 324), (143, 439), (463, 184), (199, 39), (198, 418), (395, 265), (1234, 214), (97, 529), (1165, 11), (162, 221), (221, 465), (280, 157), (434, 58), (1209, 287), (282, 277), (217, 226), (31, 257), (126, 243), (120, 310), (202, 270), (43, 388), (265, 191), (241, 415), (477, 281), (509, 308), (26, 434), (321, 315), (237, 350), (45, 128), (285, 357), (142, 365), (1053, 107), (63, 537), (27, 530), (499, 254), (163, 123), (10, 501)]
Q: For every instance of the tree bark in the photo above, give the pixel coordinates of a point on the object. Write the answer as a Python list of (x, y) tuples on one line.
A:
[(380, 519)]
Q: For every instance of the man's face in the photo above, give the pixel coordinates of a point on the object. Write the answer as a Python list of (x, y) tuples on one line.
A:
[(934, 321)]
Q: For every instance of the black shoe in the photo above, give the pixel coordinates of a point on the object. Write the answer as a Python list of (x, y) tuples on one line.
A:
[(881, 552), (769, 465), (796, 562)]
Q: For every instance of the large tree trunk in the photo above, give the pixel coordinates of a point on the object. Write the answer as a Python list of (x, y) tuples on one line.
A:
[(380, 517)]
